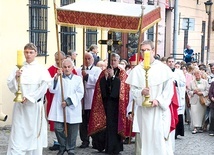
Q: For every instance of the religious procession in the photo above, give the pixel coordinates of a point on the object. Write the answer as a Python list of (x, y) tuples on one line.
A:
[(99, 81)]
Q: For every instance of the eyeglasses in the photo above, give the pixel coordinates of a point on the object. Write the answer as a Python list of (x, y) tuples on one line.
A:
[(143, 50)]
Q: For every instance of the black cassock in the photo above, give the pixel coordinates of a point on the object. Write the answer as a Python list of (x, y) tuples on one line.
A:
[(109, 139)]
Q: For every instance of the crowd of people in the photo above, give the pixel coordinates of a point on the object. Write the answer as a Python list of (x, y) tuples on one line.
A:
[(105, 104), (198, 85)]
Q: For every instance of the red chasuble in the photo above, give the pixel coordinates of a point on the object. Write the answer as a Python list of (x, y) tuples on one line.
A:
[(49, 96), (97, 121)]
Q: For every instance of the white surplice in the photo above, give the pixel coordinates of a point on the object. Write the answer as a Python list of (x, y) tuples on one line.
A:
[(179, 77), (29, 126), (93, 74), (129, 109), (73, 89), (154, 122)]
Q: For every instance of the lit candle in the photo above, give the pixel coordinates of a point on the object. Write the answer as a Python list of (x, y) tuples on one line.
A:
[(19, 58), (146, 59)]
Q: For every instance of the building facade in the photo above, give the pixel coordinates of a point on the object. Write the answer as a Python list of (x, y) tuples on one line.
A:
[(34, 21)]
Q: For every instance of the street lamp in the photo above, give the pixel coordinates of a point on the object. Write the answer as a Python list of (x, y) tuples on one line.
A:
[(208, 7), (171, 4)]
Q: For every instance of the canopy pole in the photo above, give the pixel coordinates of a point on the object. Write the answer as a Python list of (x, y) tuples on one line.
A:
[(83, 67), (140, 35), (60, 66), (156, 38), (83, 41), (131, 122)]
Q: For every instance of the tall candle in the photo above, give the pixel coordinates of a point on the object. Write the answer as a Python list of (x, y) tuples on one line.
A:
[(146, 58), (19, 58)]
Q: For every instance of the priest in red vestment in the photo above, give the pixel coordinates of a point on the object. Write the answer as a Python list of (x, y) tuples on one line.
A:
[(107, 123)]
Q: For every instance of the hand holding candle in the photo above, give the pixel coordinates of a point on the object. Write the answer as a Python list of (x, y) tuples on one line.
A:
[(19, 58), (146, 59)]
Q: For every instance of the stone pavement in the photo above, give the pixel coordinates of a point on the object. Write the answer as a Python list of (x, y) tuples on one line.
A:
[(190, 144), (194, 144)]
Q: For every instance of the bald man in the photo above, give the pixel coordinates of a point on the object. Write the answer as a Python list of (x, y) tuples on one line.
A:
[(73, 92), (102, 64), (90, 74)]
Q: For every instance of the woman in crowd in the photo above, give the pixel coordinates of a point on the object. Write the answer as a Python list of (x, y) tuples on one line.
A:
[(198, 87), (189, 78)]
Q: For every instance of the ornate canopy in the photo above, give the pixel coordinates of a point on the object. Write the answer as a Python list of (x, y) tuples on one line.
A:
[(114, 16)]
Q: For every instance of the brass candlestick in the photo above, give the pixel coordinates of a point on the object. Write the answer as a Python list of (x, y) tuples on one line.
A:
[(146, 102), (19, 96)]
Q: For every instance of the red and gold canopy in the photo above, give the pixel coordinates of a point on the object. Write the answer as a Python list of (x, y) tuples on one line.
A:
[(115, 16)]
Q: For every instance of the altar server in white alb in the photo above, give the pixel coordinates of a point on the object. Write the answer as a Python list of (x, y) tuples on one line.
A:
[(131, 111), (29, 126), (153, 122), (180, 85), (73, 92)]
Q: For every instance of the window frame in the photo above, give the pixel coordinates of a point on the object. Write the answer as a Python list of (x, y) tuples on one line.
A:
[(67, 33), (150, 2), (150, 33), (38, 25), (91, 37)]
